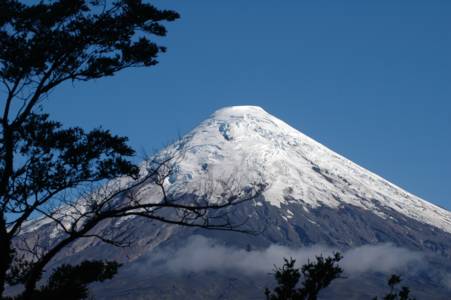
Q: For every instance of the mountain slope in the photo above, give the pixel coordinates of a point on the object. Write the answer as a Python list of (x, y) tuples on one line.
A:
[(313, 197)]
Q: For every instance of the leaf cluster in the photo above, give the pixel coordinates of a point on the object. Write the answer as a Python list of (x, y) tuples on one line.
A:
[(71, 282), (315, 275), (396, 294), (77, 39), (52, 159)]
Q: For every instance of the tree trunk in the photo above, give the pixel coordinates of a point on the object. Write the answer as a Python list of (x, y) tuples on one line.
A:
[(5, 255), (30, 286)]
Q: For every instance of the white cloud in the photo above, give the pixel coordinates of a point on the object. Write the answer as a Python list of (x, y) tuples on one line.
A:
[(202, 254), (383, 258), (447, 280)]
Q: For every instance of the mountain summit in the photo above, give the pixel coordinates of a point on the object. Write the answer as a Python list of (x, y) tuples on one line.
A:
[(250, 145)]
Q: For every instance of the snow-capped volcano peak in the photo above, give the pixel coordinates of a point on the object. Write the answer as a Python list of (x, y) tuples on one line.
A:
[(245, 144), (313, 197), (240, 109)]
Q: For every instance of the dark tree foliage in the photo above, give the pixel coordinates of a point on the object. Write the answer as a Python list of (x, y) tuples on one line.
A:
[(42, 46), (71, 282), (396, 294), (42, 164), (315, 277), (53, 41)]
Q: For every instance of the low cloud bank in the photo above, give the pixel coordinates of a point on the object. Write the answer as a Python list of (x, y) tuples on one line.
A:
[(385, 258), (202, 254), (447, 281)]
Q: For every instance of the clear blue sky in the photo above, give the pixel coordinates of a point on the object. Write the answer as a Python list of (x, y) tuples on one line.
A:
[(369, 79)]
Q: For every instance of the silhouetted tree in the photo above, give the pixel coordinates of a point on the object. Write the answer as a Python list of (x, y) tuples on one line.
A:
[(396, 294), (71, 282), (42, 46), (315, 277)]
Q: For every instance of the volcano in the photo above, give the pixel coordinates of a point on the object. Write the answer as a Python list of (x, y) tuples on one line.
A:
[(315, 200)]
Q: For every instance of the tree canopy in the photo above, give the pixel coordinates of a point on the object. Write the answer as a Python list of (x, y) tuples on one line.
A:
[(50, 42), (315, 276), (43, 163)]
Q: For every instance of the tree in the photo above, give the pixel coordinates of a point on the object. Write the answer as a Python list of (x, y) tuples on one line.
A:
[(394, 293), (71, 282), (42, 46), (316, 276)]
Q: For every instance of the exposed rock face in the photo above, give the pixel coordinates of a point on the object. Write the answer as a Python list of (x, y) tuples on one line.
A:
[(314, 196)]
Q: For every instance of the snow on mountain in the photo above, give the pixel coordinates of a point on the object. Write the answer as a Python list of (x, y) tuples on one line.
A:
[(247, 145)]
